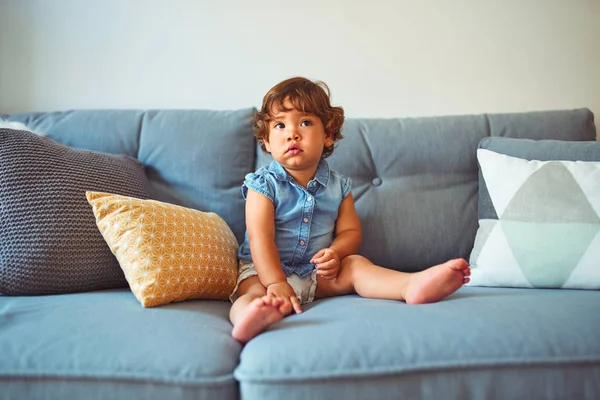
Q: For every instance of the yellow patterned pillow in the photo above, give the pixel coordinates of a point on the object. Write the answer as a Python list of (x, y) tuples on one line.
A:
[(168, 253)]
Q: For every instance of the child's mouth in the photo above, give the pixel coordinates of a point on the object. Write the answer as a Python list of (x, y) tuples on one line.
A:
[(293, 150)]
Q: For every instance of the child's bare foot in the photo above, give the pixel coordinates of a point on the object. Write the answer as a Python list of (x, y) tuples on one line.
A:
[(437, 282), (260, 314)]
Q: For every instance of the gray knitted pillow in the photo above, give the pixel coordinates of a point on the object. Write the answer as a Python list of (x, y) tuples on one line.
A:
[(49, 241)]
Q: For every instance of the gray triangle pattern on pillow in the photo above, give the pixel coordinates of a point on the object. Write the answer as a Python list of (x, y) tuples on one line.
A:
[(561, 198)]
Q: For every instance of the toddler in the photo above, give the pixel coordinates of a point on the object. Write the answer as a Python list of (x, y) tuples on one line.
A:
[(302, 230)]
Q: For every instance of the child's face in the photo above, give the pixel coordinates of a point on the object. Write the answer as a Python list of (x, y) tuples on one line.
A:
[(296, 139)]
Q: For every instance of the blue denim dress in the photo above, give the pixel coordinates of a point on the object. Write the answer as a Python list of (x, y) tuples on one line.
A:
[(304, 217)]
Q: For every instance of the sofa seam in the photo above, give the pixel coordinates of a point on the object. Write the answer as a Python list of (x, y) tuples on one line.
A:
[(488, 125), (139, 134), (423, 369), (221, 380)]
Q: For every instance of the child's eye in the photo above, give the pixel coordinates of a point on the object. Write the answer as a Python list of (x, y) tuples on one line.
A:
[(306, 122), (279, 125)]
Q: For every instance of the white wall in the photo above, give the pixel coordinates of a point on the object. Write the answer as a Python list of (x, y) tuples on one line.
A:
[(384, 59)]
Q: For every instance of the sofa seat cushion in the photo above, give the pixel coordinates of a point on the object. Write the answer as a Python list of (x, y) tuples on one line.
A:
[(478, 343), (103, 345)]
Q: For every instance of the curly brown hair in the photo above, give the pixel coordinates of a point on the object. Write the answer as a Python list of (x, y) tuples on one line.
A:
[(306, 96)]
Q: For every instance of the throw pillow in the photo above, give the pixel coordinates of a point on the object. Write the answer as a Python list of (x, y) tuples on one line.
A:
[(539, 223), (168, 253), (49, 242)]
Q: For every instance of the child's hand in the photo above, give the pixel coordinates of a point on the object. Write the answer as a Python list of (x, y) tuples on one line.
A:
[(284, 291), (328, 263)]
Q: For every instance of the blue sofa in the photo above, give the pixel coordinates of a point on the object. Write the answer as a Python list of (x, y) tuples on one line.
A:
[(415, 182)]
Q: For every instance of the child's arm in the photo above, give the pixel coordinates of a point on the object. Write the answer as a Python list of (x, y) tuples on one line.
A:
[(348, 237), (348, 231), (260, 223)]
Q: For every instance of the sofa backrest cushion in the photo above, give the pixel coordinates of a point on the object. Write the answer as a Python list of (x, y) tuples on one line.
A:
[(415, 179), (198, 159), (192, 158)]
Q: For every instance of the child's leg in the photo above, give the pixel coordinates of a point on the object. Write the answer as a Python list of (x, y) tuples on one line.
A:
[(359, 275), (253, 311)]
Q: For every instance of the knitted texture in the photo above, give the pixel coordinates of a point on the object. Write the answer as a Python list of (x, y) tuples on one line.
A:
[(49, 241)]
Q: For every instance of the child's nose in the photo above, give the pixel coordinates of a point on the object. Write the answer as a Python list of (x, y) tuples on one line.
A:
[(293, 134)]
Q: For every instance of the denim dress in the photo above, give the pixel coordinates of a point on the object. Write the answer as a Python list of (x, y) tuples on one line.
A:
[(304, 217)]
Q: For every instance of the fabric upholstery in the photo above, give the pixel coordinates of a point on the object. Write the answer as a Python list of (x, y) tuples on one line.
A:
[(103, 345), (415, 180), (479, 343)]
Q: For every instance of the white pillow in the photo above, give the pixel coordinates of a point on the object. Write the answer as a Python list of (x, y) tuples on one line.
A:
[(18, 126), (541, 228)]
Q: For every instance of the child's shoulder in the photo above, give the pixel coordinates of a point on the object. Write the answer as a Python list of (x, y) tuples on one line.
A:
[(261, 174), (261, 180), (344, 182), (336, 173), (338, 176)]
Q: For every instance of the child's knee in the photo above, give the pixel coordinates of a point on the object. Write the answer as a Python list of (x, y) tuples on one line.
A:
[(349, 266), (252, 286), (352, 262)]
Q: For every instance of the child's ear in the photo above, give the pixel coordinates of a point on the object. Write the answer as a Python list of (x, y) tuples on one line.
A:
[(328, 139), (267, 145)]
